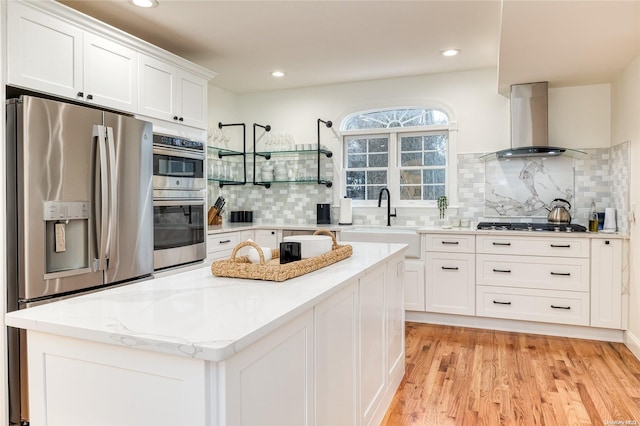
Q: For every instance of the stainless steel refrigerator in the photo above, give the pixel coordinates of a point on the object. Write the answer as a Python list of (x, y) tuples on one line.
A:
[(79, 209)]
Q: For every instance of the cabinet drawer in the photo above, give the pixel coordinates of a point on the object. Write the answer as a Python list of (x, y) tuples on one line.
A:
[(221, 242), (563, 307), (451, 243), (533, 246), (449, 283), (551, 273)]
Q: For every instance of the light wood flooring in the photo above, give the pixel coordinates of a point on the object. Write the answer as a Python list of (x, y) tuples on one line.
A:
[(465, 376)]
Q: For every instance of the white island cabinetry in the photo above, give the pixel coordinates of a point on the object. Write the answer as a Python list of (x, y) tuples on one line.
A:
[(325, 348)]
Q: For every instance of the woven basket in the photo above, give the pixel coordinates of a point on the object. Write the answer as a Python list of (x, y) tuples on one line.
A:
[(241, 267)]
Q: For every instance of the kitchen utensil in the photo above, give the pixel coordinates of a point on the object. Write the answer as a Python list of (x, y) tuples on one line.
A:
[(311, 245), (558, 213)]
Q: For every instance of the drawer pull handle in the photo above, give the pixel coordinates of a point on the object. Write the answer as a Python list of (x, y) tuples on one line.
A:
[(455, 243), (506, 271), (501, 303), (561, 245), (564, 274), (224, 241), (450, 268), (560, 307), (501, 244)]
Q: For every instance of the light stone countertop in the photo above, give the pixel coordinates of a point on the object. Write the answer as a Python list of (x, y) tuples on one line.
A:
[(195, 314), (419, 229)]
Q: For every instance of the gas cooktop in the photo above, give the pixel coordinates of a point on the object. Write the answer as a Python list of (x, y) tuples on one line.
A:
[(533, 227)]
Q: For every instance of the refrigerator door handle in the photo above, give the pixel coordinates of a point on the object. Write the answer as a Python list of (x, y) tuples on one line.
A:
[(113, 198), (99, 132)]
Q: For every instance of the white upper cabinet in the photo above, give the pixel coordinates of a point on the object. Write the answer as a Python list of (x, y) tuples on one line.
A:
[(110, 73), (170, 93), (50, 55), (44, 53)]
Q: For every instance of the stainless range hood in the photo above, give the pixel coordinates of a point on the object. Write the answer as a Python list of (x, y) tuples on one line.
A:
[(529, 125)]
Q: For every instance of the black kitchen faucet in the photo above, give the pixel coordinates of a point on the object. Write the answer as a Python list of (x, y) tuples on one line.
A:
[(389, 215)]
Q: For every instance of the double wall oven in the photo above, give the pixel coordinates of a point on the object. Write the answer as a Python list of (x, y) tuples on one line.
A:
[(179, 185)]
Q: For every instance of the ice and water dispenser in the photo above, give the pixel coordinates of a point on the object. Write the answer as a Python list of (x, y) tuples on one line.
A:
[(67, 237)]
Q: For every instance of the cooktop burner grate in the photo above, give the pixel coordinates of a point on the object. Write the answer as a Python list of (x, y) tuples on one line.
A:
[(533, 227)]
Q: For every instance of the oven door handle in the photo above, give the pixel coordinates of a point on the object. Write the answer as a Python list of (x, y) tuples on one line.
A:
[(178, 153), (179, 202)]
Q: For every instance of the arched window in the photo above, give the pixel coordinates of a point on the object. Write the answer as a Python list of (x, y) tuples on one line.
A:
[(407, 150), (400, 117)]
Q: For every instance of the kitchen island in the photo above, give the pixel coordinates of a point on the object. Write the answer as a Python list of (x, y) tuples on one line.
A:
[(194, 349)]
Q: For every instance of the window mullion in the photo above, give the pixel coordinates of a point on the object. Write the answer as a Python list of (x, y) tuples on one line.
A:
[(394, 169)]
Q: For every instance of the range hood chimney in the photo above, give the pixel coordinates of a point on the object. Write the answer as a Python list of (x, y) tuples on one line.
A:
[(529, 124)]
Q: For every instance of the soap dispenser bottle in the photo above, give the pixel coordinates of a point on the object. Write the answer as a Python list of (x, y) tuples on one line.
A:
[(593, 218)]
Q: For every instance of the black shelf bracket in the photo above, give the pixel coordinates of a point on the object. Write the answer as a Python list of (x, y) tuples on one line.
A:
[(327, 123), (231, 154), (267, 128)]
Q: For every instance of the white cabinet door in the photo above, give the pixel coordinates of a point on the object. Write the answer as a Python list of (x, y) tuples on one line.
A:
[(267, 238), (157, 88), (413, 285), (450, 283), (271, 381), (394, 317), (44, 53), (373, 368), (110, 73), (171, 94), (336, 334), (606, 283), (192, 100)]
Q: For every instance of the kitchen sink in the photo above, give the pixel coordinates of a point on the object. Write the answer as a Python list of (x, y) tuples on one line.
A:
[(368, 234)]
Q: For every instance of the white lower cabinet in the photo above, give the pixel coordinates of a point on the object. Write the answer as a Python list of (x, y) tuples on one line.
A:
[(413, 285), (220, 246), (606, 283), (272, 381), (336, 326), (450, 283), (450, 274), (373, 369), (268, 238), (533, 278)]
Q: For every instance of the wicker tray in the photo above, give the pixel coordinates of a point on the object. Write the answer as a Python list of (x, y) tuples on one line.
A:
[(241, 267)]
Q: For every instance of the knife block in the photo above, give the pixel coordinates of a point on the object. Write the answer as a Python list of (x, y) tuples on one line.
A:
[(213, 216)]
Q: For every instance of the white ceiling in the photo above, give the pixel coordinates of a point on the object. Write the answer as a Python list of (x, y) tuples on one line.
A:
[(571, 42)]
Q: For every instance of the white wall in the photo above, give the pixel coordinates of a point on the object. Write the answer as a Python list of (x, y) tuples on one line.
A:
[(579, 117), (625, 111)]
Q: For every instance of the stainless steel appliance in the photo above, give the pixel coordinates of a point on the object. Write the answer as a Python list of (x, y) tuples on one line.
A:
[(531, 227), (79, 209), (179, 218), (559, 212)]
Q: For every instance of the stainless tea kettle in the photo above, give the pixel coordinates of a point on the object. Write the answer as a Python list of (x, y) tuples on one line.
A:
[(558, 213)]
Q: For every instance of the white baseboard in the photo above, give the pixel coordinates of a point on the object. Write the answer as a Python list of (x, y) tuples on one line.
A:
[(633, 343), (549, 329)]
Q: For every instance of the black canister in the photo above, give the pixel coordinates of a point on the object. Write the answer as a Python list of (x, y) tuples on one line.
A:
[(323, 214), (290, 251), (248, 216)]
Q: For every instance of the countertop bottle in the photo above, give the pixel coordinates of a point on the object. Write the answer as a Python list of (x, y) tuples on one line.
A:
[(593, 218)]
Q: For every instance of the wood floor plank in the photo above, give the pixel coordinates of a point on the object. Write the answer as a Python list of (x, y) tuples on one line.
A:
[(473, 377)]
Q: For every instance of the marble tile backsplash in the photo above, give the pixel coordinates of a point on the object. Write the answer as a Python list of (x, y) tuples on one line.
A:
[(603, 176)]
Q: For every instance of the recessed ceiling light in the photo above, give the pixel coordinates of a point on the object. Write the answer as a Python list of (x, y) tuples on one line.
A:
[(277, 74), (450, 52), (145, 3)]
